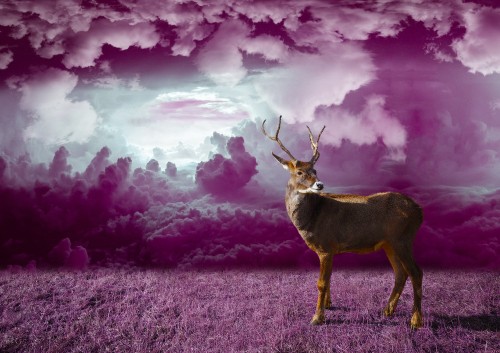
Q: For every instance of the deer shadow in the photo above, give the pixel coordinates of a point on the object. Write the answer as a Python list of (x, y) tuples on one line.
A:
[(482, 322), (340, 316), (337, 308)]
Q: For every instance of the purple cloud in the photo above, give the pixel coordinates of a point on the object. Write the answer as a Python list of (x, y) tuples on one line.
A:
[(224, 176), (408, 92)]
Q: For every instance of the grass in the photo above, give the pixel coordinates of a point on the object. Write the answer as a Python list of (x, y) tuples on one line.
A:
[(132, 310)]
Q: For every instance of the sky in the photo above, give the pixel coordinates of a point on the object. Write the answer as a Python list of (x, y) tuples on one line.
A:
[(130, 130)]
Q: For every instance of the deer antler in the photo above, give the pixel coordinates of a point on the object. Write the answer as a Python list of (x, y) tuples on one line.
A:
[(275, 138), (314, 145)]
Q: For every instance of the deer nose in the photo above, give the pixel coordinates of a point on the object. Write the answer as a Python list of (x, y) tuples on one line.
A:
[(318, 185)]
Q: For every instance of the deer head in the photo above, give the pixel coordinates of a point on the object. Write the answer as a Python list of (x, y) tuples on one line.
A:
[(303, 176)]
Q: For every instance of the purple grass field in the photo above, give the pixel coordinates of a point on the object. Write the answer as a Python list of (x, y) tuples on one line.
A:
[(134, 310)]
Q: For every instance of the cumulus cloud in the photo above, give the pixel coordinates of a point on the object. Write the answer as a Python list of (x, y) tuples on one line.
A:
[(269, 47), (221, 58), (59, 164), (224, 176), (336, 23), (97, 165), (153, 166), (6, 57), (56, 118), (64, 255), (479, 49), (146, 218), (311, 61), (79, 32), (188, 33), (308, 81), (86, 47), (171, 169), (372, 123)]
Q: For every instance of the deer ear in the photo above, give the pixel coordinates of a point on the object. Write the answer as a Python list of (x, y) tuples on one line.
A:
[(284, 163)]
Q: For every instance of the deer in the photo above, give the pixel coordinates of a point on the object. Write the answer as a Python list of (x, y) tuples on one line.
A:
[(332, 224)]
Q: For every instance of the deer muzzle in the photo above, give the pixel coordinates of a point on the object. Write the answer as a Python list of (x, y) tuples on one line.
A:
[(318, 185)]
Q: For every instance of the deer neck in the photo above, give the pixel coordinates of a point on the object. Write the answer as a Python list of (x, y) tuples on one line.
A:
[(302, 208)]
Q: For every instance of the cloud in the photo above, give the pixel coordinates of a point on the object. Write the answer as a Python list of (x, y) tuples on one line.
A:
[(149, 219), (372, 123), (224, 176), (187, 36), (63, 255), (269, 47), (171, 169), (438, 53), (6, 57), (60, 164), (396, 120), (479, 49), (270, 11), (97, 165), (336, 70), (337, 23), (221, 58), (56, 118), (153, 166), (178, 122), (86, 47)]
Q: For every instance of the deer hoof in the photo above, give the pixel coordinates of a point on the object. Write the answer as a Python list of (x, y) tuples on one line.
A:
[(416, 321), (388, 311), (317, 320)]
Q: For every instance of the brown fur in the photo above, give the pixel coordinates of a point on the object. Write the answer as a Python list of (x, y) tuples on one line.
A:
[(331, 224)]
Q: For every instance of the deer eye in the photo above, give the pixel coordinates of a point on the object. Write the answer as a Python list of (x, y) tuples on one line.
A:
[(299, 173)]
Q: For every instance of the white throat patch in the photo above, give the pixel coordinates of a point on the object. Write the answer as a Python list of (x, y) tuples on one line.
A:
[(308, 191)]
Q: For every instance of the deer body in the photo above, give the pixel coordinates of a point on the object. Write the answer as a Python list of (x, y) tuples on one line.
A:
[(331, 224), (351, 223)]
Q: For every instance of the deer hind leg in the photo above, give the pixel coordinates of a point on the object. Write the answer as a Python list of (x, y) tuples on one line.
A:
[(400, 277), (325, 271), (416, 276)]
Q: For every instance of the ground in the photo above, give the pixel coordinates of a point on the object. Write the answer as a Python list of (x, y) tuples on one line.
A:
[(134, 310)]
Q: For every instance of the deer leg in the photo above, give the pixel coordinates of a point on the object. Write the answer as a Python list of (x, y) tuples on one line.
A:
[(400, 277), (325, 272), (416, 276), (328, 299)]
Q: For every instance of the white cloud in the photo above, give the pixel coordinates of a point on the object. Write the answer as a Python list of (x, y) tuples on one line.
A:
[(438, 16), (187, 34), (271, 48), (270, 10), (56, 118), (366, 127), (112, 81), (6, 57), (438, 53), (86, 47), (307, 81), (220, 58), (479, 49), (355, 23)]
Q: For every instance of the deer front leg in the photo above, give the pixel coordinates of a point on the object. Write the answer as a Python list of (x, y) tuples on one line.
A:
[(328, 299), (325, 271)]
